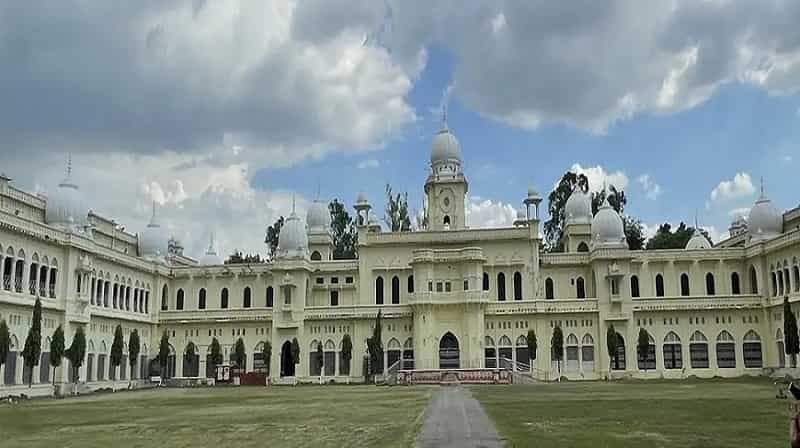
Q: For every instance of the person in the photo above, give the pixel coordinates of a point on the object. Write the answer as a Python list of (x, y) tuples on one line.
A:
[(794, 430)]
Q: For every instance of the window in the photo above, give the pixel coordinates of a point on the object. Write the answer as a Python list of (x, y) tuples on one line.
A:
[(673, 358), (580, 288), (316, 256), (446, 221), (659, 285), (439, 287), (501, 286), (752, 350), (684, 284), (583, 247), (517, 286), (201, 299), (179, 300), (334, 280), (753, 280), (698, 351), (287, 297), (796, 279), (395, 290), (710, 286), (774, 285), (726, 351), (319, 280), (246, 300), (485, 281), (379, 290), (447, 287), (223, 298), (548, 289), (466, 285), (614, 287), (735, 287), (634, 286), (648, 362), (410, 285), (270, 296), (164, 298), (334, 298)]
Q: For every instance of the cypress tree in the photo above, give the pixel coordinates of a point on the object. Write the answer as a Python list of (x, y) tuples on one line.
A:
[(33, 342), (116, 349), (532, 345), (643, 347), (239, 354), (163, 354), (611, 345), (216, 352), (133, 350), (347, 351), (77, 352), (5, 342), (557, 345), (320, 358), (791, 342), (56, 350)]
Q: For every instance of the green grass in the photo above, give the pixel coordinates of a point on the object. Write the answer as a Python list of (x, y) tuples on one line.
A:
[(311, 416), (716, 413)]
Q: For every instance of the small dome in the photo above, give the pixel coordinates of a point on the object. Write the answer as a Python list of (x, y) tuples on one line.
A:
[(607, 227), (532, 191), (65, 205), (153, 240), (318, 217), (362, 199), (445, 147), (292, 240), (698, 241), (765, 220), (578, 209)]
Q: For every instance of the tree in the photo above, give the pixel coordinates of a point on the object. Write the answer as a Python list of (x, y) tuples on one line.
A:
[(320, 358), (133, 350), (531, 339), (216, 353), (343, 232), (116, 349), (791, 342), (557, 200), (77, 352), (557, 344), (634, 232), (57, 350), (238, 257), (611, 344), (643, 347), (266, 354), (295, 351), (271, 239), (239, 354), (396, 215), (33, 342), (163, 354), (347, 350), (5, 342), (667, 238), (375, 346), (616, 199)]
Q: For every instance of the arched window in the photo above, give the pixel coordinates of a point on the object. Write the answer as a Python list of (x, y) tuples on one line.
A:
[(223, 298), (446, 221), (735, 286), (618, 361), (648, 362), (780, 282), (489, 353), (572, 364), (164, 298), (179, 300), (395, 290), (673, 358), (751, 348), (634, 286), (517, 286), (796, 278), (410, 286), (501, 286), (698, 350), (580, 288), (201, 299), (587, 352), (379, 290), (583, 247), (786, 282), (659, 285), (710, 286), (485, 281), (247, 297), (753, 280), (684, 285), (726, 351), (774, 284), (270, 296), (548, 289), (316, 256)]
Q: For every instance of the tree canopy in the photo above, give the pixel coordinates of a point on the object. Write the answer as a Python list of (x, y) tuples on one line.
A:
[(643, 346), (396, 215), (116, 347), (668, 238), (343, 232), (375, 346), (238, 257), (790, 336), (77, 351), (532, 345), (271, 238), (611, 343), (163, 353), (133, 349), (557, 346), (57, 350), (33, 342), (239, 354), (216, 352)]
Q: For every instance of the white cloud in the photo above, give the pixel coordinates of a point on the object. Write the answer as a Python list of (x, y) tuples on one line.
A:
[(737, 212), (599, 177), (651, 189), (487, 213), (739, 187), (369, 163)]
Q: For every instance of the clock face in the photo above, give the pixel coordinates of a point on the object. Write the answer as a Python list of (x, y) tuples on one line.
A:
[(446, 201)]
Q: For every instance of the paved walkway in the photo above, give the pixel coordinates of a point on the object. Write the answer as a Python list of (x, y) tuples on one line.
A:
[(455, 419)]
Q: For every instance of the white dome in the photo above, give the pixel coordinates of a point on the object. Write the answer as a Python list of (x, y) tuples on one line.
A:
[(318, 217), (445, 147), (532, 191), (153, 240), (66, 207), (698, 241), (293, 241), (765, 220), (607, 227), (578, 209)]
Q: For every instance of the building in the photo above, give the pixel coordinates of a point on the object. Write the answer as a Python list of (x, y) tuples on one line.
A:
[(450, 296)]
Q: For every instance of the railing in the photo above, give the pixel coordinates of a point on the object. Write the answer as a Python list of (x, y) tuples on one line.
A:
[(42, 291), (52, 292), (390, 376), (7, 283), (32, 287), (18, 285), (521, 368)]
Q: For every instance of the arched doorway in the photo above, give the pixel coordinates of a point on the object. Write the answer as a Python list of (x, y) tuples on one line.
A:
[(287, 363), (449, 355)]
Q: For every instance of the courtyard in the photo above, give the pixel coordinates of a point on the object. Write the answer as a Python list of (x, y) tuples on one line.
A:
[(714, 413)]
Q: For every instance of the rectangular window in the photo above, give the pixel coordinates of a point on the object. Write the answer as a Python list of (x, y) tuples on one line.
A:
[(334, 298), (726, 355), (614, 287), (430, 286), (334, 280), (439, 286), (287, 296), (320, 280), (466, 285), (348, 280), (447, 287)]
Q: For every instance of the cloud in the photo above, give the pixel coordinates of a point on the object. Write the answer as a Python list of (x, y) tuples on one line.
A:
[(599, 177), (485, 213), (369, 163), (737, 212), (651, 189), (739, 187)]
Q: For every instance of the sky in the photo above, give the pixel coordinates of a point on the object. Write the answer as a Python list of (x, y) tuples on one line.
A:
[(222, 111)]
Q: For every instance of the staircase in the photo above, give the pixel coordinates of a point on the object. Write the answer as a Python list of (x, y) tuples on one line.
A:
[(524, 373)]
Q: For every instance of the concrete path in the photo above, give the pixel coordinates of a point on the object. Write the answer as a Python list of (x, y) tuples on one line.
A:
[(455, 419)]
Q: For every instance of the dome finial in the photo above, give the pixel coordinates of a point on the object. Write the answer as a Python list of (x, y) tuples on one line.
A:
[(69, 165), (293, 204), (762, 187)]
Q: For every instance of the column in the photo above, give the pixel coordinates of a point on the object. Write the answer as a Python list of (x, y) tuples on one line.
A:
[(13, 278), (47, 282)]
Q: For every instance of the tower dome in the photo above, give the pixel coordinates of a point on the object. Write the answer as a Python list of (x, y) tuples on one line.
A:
[(698, 241), (578, 209), (607, 227), (765, 220), (445, 147), (65, 206), (153, 240), (318, 217), (293, 240)]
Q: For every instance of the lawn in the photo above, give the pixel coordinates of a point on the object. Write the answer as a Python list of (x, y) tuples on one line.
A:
[(730, 413), (307, 416)]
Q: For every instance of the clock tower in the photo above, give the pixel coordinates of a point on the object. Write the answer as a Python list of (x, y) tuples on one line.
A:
[(446, 187)]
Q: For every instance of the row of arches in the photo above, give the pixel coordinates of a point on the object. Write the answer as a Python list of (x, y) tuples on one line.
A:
[(37, 276), (785, 278), (119, 294), (549, 288), (224, 298), (684, 284)]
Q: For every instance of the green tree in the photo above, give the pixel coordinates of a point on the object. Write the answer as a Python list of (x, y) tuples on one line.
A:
[(237, 257), (343, 232), (77, 352), (163, 354), (643, 347), (667, 238), (611, 345), (5, 342), (557, 344), (634, 232), (375, 347), (271, 239), (295, 351), (557, 200), (347, 352), (532, 345), (116, 349), (266, 352), (396, 214), (616, 199), (216, 353), (791, 342), (239, 354), (134, 347), (33, 342), (57, 350), (320, 358)]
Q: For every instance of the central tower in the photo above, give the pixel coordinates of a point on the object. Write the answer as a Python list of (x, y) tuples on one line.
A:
[(446, 187)]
